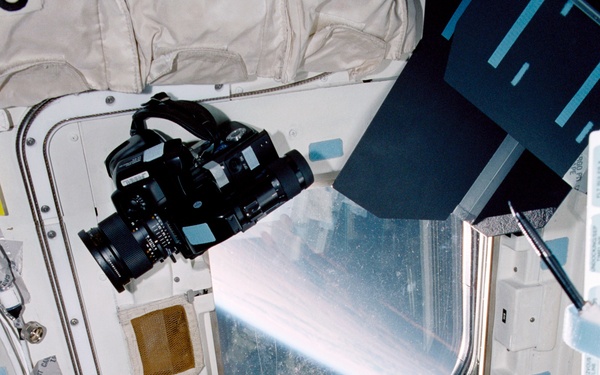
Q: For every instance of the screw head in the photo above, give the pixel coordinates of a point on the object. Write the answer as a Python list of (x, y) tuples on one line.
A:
[(51, 234), (74, 321), (218, 86), (109, 99), (30, 141), (45, 209), (176, 279)]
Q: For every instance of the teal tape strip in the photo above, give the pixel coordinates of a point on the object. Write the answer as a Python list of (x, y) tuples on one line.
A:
[(333, 148), (199, 234), (586, 130), (581, 94), (520, 74), (451, 26), (515, 31), (566, 9)]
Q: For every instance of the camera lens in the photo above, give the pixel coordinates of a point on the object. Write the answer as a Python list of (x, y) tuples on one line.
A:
[(293, 173), (116, 251), (301, 168)]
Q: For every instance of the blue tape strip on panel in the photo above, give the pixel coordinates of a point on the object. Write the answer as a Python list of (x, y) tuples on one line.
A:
[(451, 26), (557, 49), (584, 133), (333, 148), (199, 234), (566, 9), (514, 32), (581, 94), (520, 74)]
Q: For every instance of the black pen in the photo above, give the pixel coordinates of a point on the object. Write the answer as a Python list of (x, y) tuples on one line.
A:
[(544, 252)]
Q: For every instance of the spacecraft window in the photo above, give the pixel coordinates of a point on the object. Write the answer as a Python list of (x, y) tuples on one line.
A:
[(323, 287)]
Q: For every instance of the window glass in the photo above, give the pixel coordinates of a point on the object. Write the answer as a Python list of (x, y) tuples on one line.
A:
[(321, 286)]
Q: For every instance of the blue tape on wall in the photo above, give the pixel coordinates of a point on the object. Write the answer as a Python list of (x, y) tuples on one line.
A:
[(330, 149), (199, 234), (560, 248)]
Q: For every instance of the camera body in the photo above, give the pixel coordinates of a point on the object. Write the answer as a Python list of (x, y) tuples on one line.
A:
[(173, 197)]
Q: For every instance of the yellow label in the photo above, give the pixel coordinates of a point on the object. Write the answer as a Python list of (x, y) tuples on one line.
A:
[(2, 205)]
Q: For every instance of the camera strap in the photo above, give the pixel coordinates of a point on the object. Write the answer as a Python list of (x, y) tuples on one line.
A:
[(189, 115)]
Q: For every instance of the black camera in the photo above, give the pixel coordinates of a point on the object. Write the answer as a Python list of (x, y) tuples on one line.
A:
[(174, 197)]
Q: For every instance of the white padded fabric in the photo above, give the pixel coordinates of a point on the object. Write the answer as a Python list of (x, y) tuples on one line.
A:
[(52, 48)]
